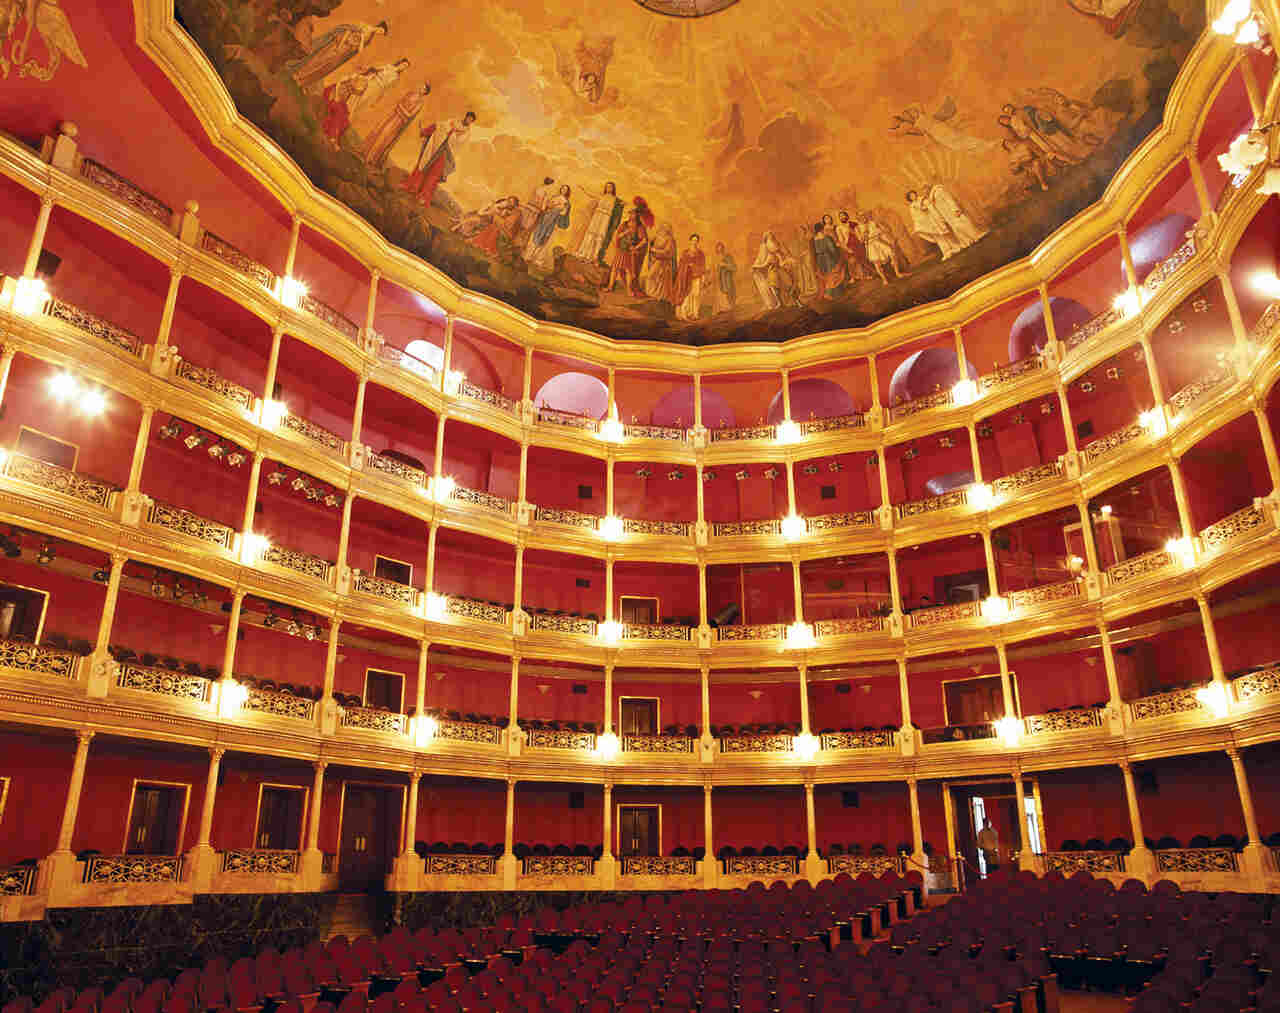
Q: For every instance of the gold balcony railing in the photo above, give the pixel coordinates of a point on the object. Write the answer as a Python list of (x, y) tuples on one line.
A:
[(682, 744), (492, 398), (558, 865), (1092, 328), (761, 866), (18, 880), (856, 865), (833, 424), (468, 731), (387, 590), (1070, 720), (395, 468), (1196, 860), (323, 311), (849, 626), (1198, 390), (1070, 862), (659, 865), (905, 409), (95, 326), (238, 259), (759, 432), (1107, 445), (1027, 478), (300, 562), (126, 191), (655, 631), (211, 381), (663, 529), (1011, 372), (642, 431), (184, 522), (757, 631), (477, 497), (560, 738), (574, 625), (279, 704), (164, 681), (878, 738), (931, 504), (569, 420), (1163, 705), (739, 529), (24, 657), (1044, 594), (314, 432), (260, 862), (940, 614), (1168, 267), (119, 869), (758, 742), (1262, 682), (64, 481), (476, 610), (834, 522), (374, 719), (1233, 528), (409, 363), (1155, 561), (569, 518), (461, 865)]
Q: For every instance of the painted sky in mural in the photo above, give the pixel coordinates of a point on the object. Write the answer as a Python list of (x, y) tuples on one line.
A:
[(772, 169)]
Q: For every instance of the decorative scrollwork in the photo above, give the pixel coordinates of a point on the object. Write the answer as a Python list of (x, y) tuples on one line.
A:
[(397, 469), (133, 869), (668, 529), (777, 742), (655, 631), (1260, 683), (1268, 324), (164, 681), (315, 433), (1099, 449), (931, 504), (570, 420), (879, 738), (17, 881), (469, 731), (738, 529), (560, 738), (1232, 528), (744, 433), (1170, 266), (833, 424), (300, 562), (657, 744), (409, 363), (1063, 721), (856, 865), (209, 379), (1045, 594), (761, 865), (849, 626), (1199, 389), (24, 657), (570, 518), (323, 311), (126, 191), (492, 398), (940, 614), (237, 258), (849, 519), (1092, 328), (636, 431), (461, 865), (576, 625), (387, 590), (1011, 372), (472, 608), (659, 865), (1139, 566), (260, 862), (558, 865), (184, 522), (371, 719), (1069, 862), (1160, 705), (1196, 860), (1027, 477), (759, 631), (104, 330), (278, 704), (477, 497), (938, 399), (85, 488)]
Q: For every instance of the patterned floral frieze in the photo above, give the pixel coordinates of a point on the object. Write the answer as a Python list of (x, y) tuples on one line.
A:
[(323, 311), (1260, 683), (1232, 528), (761, 865), (1139, 566), (209, 380), (856, 865), (761, 432), (1160, 705), (851, 519), (1011, 372), (1026, 478), (667, 529), (1044, 594), (85, 488), (737, 529), (184, 522), (17, 880), (847, 627), (410, 363), (492, 398), (461, 865), (655, 631), (657, 744), (133, 869), (959, 612), (163, 681), (260, 862), (1265, 330), (636, 431), (569, 518), (1199, 389), (1063, 721), (300, 562), (371, 719), (24, 657), (1196, 860), (553, 417), (1098, 449), (879, 738), (558, 865), (560, 738), (1070, 862), (659, 865), (103, 330), (396, 469), (469, 731), (314, 432), (237, 258), (1168, 267), (573, 625), (932, 504), (126, 191), (477, 497), (938, 399), (1092, 328), (279, 704), (834, 424), (387, 590), (475, 610), (759, 743), (758, 631)]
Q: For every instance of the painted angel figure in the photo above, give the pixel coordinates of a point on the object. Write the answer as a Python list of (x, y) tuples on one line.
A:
[(939, 128), (51, 21), (584, 68)]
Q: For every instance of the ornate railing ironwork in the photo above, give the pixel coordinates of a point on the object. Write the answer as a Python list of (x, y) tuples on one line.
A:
[(1068, 720), (184, 522), (569, 518), (761, 432), (574, 625), (237, 258), (1026, 478), (558, 865), (126, 191), (1098, 449), (659, 865), (480, 498), (879, 738), (211, 381), (328, 862), (1044, 594), (938, 399), (665, 529), (1162, 705), (1233, 528), (279, 704), (387, 590), (849, 626), (24, 657), (569, 420), (468, 731), (1070, 862), (492, 398), (737, 529), (856, 865), (761, 865), (658, 744), (762, 742), (1144, 565), (1260, 683), (1200, 389), (77, 485), (638, 431), (397, 469), (849, 519), (372, 719), (939, 614), (656, 631), (1196, 860), (300, 562), (757, 631), (96, 326), (314, 432), (560, 738), (133, 869), (931, 504), (261, 862), (164, 681), (409, 363), (1168, 267), (461, 865), (835, 423), (1092, 328), (323, 311), (17, 880), (474, 609), (1011, 372)]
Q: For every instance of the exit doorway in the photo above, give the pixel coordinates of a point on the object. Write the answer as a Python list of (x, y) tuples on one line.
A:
[(973, 805), (369, 834), (639, 830)]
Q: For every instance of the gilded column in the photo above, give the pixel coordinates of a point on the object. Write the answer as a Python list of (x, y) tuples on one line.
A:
[(509, 827), (810, 820), (118, 559), (875, 384), (331, 658), (803, 671), (786, 393), (961, 363), (430, 577), (705, 672), (1086, 536), (1180, 495), (439, 462), (513, 698), (973, 450), (709, 865), (517, 597), (210, 794), (1020, 797), (522, 494), (703, 618), (1211, 642), (1109, 664), (904, 692), (140, 448), (420, 701), (608, 588), (526, 383), (72, 805), (291, 255), (411, 817), (993, 580), (1197, 181), (233, 634), (251, 501), (608, 698), (917, 829), (1006, 687), (166, 315), (1264, 433), (608, 484), (1068, 429), (313, 814), (1246, 797), (1153, 372), (357, 417), (884, 479), (797, 590), (344, 534), (608, 823), (791, 487), (37, 237), (371, 305), (702, 496), (697, 403), (894, 591), (6, 364), (447, 361), (1141, 860), (273, 366)]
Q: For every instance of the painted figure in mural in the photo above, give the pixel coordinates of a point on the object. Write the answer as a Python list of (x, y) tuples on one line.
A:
[(383, 137), (915, 122), (726, 280), (334, 48), (1039, 126), (879, 248), (929, 226), (498, 218), (605, 218), (536, 204), (50, 21), (802, 251), (1084, 122), (938, 218), (381, 80), (853, 249), (631, 244), (773, 273), (539, 252), (1025, 160), (585, 67), (693, 267), (661, 282), (435, 159), (829, 265), (341, 99)]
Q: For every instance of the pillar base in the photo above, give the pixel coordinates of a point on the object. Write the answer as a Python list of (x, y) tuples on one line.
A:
[(814, 867), (406, 873), (907, 740), (1258, 866), (199, 866), (102, 669), (607, 871), (1113, 717), (328, 716), (515, 740), (58, 875), (1141, 864), (709, 871), (1028, 861), (707, 748), (508, 865), (311, 868)]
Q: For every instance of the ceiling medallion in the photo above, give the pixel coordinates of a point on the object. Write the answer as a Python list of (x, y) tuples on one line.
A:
[(686, 8)]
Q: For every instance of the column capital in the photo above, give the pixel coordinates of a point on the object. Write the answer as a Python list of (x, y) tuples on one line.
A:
[(319, 765), (511, 783), (1125, 766), (808, 787), (118, 559), (1233, 752), (608, 787), (84, 736), (46, 200), (216, 753), (706, 789)]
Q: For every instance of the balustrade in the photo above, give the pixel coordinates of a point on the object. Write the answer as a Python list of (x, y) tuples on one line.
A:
[(1160, 705), (637, 431), (278, 703), (833, 522), (396, 469), (118, 869), (1100, 448), (738, 529), (476, 610), (25, 657), (856, 865), (655, 631), (468, 731), (374, 719), (409, 363), (238, 259), (1011, 373), (1084, 332), (461, 865), (931, 504), (1155, 561), (1261, 682), (940, 614), (314, 432), (560, 738), (164, 681), (1233, 528), (18, 880), (1027, 478), (849, 627), (260, 862), (95, 326), (665, 529), (387, 590), (1071, 862), (64, 481), (1198, 390), (1170, 266), (485, 396), (833, 424), (575, 625), (1072, 719), (558, 865), (758, 631), (658, 865), (760, 432), (184, 522), (1196, 860), (477, 497), (905, 409), (210, 380), (760, 742), (632, 743), (758, 866), (126, 191), (1044, 594), (323, 311), (300, 562), (569, 420), (569, 518), (877, 738)]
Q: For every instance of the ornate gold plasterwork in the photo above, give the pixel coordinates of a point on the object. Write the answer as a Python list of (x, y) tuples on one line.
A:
[(323, 311), (1232, 528), (1199, 389), (1260, 683), (89, 323), (85, 488), (638, 431), (958, 612), (396, 469), (278, 704), (126, 191), (833, 424), (570, 518), (387, 590), (184, 522), (164, 681), (847, 627), (461, 865), (558, 865), (1196, 860), (409, 363), (739, 529), (477, 497), (757, 743), (133, 869), (1160, 705), (17, 880), (1139, 566), (1168, 267), (665, 529), (231, 254), (260, 862), (371, 719), (492, 398), (1002, 376), (737, 433), (1100, 448), (879, 738), (856, 865), (657, 744), (761, 865), (655, 631), (560, 738), (314, 432), (574, 625), (468, 731), (24, 657), (1063, 721), (569, 420), (931, 504), (1027, 478), (759, 631), (300, 562), (1044, 594), (832, 522), (211, 381), (659, 865), (1070, 862), (1090, 330), (472, 608), (905, 409)]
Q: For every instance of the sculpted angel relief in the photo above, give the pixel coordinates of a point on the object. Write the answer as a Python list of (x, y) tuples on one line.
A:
[(655, 173), (19, 19)]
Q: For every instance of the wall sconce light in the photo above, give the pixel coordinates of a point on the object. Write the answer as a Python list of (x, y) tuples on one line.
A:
[(1076, 565), (29, 296), (1152, 420), (170, 430), (437, 607), (610, 631), (794, 526), (255, 546), (965, 392), (235, 458), (788, 431), (453, 381), (424, 729), (800, 636), (292, 292), (980, 496), (1233, 15), (995, 608), (195, 440), (1181, 549), (442, 487), (805, 746), (217, 451), (232, 697), (92, 402), (1009, 730), (47, 554), (1213, 698), (273, 413), (607, 746), (612, 431), (611, 528)]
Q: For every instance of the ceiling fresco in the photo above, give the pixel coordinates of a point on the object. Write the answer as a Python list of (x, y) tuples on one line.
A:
[(768, 170)]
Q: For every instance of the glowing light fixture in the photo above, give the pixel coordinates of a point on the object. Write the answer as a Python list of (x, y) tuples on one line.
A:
[(793, 527), (1105, 509), (610, 631), (1152, 420), (1233, 14), (1009, 729), (607, 746), (63, 386), (29, 296), (980, 496), (442, 487), (1127, 302), (273, 413), (424, 729), (612, 431), (254, 547), (1182, 550), (965, 392), (610, 528), (995, 607), (1249, 33), (92, 403), (453, 381), (800, 636), (1266, 283), (805, 746), (1076, 565), (231, 697), (292, 292), (437, 607), (788, 431), (1213, 698)]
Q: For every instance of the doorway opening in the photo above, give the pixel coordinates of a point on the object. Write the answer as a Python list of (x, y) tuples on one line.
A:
[(638, 611), (22, 612), (367, 840), (639, 830), (157, 813), (638, 715), (976, 701), (280, 810), (384, 690), (395, 570), (982, 825)]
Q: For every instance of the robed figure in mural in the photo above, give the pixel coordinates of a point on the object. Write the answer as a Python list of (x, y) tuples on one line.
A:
[(539, 252), (606, 216), (341, 99), (773, 273), (661, 284), (435, 160), (334, 48), (381, 80), (726, 280), (630, 245), (827, 261), (689, 275), (382, 139)]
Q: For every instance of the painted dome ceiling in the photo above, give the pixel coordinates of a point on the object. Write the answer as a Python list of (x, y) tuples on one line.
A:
[(836, 162)]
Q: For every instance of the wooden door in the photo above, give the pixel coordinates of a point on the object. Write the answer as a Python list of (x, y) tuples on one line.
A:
[(638, 611), (637, 830), (638, 717), (154, 820), (383, 689), (974, 701), (368, 843), (280, 819)]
